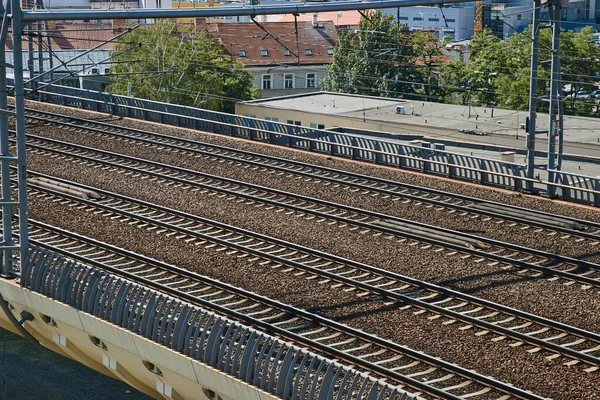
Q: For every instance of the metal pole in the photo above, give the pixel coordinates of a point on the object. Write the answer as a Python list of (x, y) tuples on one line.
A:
[(30, 61), (533, 99), (225, 11), (7, 210), (17, 32), (561, 110), (554, 111), (40, 43)]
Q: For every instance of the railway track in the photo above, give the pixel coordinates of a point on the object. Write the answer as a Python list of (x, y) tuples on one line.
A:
[(427, 376), (553, 224), (508, 256), (499, 321)]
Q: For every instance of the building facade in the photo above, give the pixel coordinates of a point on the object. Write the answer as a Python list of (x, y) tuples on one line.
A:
[(457, 23), (281, 61)]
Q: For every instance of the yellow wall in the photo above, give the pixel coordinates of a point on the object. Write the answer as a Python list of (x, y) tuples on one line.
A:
[(67, 331), (260, 111), (306, 118)]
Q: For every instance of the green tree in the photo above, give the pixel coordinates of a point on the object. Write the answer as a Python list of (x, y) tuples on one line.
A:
[(178, 64), (427, 52), (376, 60), (499, 71)]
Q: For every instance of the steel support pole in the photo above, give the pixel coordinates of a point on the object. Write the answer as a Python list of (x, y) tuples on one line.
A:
[(533, 95), (40, 50), (17, 32), (7, 210), (555, 93)]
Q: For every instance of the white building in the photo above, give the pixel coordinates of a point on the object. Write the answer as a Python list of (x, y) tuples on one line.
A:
[(455, 22), (106, 4)]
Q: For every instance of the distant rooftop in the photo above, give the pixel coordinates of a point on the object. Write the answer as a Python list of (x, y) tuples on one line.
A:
[(253, 46), (426, 114)]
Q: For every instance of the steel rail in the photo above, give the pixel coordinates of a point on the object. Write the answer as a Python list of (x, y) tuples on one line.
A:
[(342, 210), (346, 178), (310, 322), (391, 287)]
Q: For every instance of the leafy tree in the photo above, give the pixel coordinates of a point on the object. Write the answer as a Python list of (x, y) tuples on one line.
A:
[(176, 63), (376, 60), (427, 52), (499, 71)]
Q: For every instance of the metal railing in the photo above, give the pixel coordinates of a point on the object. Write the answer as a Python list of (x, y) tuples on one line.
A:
[(266, 362), (572, 187)]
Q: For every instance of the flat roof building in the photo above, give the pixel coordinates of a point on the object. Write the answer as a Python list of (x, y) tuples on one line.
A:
[(327, 110)]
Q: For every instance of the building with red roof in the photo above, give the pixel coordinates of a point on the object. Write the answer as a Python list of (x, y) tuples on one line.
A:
[(281, 61)]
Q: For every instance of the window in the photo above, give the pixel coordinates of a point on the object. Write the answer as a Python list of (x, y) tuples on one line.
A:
[(403, 18), (288, 81), (434, 19), (158, 3), (450, 20), (272, 119), (266, 82), (242, 53), (518, 17), (308, 52), (311, 80), (287, 52), (107, 70), (264, 52), (330, 51), (292, 122), (317, 126), (95, 70), (417, 19)]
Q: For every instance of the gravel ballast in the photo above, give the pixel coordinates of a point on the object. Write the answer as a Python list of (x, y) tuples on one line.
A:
[(551, 299), (295, 184), (511, 364)]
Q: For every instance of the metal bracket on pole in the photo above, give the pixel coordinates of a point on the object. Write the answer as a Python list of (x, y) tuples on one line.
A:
[(554, 99), (533, 95), (555, 111)]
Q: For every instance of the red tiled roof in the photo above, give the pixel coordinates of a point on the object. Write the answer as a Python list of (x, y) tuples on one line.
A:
[(74, 36), (252, 40)]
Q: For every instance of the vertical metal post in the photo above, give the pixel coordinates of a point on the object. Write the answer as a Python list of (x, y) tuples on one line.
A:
[(7, 209), (555, 93), (40, 51), (41, 30), (17, 32), (533, 99), (561, 111), (30, 52)]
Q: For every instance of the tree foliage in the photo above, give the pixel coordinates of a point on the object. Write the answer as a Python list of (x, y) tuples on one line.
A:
[(376, 60), (178, 64), (499, 71)]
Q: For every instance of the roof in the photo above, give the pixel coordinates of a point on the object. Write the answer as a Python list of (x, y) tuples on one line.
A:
[(96, 58), (427, 115), (75, 36), (252, 46), (342, 18)]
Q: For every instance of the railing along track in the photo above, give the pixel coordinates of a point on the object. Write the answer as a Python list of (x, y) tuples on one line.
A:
[(488, 317), (507, 254)]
